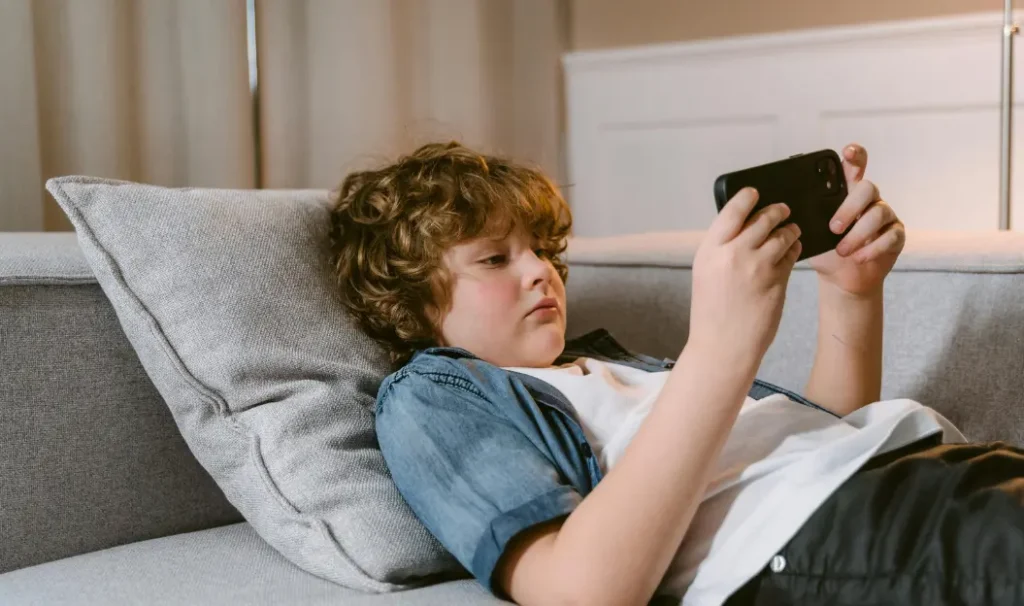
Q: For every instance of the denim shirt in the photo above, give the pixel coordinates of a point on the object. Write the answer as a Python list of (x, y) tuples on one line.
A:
[(481, 454)]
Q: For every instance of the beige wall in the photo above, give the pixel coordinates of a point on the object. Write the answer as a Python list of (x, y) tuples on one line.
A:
[(609, 23)]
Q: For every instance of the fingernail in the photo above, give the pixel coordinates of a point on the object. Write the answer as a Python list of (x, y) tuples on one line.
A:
[(836, 225)]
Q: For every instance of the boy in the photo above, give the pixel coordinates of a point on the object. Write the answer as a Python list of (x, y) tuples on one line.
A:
[(583, 473)]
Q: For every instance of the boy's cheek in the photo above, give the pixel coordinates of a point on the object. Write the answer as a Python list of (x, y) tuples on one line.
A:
[(493, 297)]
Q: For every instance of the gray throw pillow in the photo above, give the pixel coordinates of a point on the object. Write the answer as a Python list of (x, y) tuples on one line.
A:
[(227, 297)]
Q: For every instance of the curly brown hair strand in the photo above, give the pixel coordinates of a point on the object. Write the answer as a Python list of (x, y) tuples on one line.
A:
[(391, 227)]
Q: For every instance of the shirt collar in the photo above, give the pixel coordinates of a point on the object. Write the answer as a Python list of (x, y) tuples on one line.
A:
[(574, 346)]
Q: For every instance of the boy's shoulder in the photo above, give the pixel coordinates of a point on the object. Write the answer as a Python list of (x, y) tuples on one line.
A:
[(428, 364), (445, 368)]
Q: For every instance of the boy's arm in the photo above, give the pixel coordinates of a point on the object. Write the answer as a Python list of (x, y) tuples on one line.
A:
[(501, 506), (616, 546), (847, 371)]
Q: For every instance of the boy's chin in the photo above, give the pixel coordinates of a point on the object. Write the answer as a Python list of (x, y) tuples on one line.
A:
[(547, 341)]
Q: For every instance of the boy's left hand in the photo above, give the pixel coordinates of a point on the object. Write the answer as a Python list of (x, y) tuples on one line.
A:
[(867, 253)]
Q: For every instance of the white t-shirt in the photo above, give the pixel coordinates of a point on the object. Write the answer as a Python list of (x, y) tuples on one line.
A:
[(781, 461)]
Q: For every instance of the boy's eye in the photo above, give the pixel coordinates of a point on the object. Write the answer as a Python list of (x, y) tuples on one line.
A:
[(499, 259)]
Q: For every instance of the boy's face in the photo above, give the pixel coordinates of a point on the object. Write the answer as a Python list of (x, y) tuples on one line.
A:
[(496, 285)]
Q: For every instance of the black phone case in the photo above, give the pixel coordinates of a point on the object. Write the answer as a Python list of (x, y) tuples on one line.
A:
[(800, 182)]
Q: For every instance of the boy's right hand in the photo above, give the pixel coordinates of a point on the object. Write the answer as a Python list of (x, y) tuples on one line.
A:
[(740, 273)]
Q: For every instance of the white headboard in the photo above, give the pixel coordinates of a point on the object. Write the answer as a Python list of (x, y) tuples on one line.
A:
[(650, 128)]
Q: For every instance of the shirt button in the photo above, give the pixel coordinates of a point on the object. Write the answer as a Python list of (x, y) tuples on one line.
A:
[(778, 564), (587, 452)]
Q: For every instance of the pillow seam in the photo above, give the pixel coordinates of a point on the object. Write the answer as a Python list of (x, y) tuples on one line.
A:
[(208, 395)]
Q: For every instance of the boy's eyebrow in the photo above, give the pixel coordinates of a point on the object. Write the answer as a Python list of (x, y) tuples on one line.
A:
[(487, 240), (474, 248)]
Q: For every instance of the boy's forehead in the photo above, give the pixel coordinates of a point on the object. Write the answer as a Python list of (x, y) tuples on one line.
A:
[(471, 245), (496, 237)]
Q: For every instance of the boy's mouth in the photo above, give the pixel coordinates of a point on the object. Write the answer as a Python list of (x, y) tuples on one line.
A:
[(546, 304)]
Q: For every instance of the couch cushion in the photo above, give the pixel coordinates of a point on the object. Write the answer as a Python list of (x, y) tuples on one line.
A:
[(227, 298), (220, 567)]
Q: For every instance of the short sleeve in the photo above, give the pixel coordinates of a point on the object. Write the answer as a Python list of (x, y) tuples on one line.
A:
[(471, 476)]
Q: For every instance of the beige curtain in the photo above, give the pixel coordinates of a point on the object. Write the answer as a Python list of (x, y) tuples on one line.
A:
[(347, 83), (146, 90), (158, 90)]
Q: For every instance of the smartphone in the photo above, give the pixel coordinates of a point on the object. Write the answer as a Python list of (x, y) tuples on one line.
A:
[(812, 185)]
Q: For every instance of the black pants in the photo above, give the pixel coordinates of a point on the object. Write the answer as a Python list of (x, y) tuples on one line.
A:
[(931, 526)]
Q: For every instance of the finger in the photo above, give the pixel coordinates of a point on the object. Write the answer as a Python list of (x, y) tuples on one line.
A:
[(855, 162), (761, 225), (728, 224), (861, 196), (867, 228), (785, 266), (778, 244), (889, 242), (791, 256)]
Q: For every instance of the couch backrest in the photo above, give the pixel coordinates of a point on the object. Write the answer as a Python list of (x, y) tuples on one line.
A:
[(954, 318), (90, 457)]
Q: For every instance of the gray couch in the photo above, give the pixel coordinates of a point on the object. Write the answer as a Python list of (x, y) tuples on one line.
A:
[(102, 503)]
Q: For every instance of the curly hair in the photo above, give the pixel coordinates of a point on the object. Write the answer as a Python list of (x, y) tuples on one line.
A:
[(391, 227)]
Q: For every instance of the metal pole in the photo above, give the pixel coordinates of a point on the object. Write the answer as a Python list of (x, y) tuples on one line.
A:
[(1010, 29), (254, 88)]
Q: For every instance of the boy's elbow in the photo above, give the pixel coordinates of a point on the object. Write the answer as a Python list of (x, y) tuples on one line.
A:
[(533, 573), (577, 587), (595, 594)]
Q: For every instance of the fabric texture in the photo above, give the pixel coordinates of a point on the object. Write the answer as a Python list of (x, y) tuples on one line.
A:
[(482, 453), (780, 462), (945, 527), (89, 455), (226, 566), (227, 299), (42, 258), (952, 338), (609, 399), (475, 478)]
